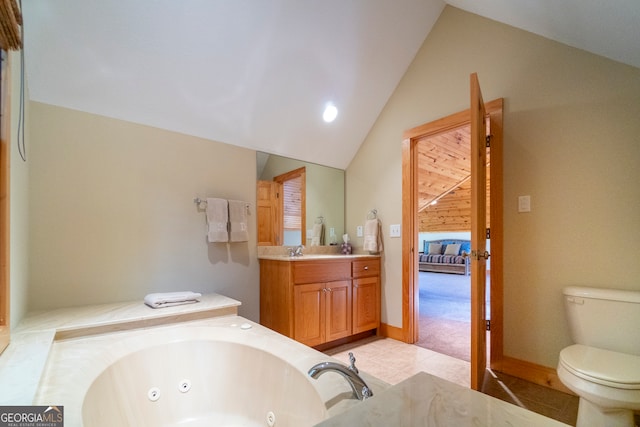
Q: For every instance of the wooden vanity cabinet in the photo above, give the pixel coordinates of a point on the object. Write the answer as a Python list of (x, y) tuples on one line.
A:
[(319, 301)]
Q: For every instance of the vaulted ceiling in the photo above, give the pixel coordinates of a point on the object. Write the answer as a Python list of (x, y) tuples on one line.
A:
[(258, 73)]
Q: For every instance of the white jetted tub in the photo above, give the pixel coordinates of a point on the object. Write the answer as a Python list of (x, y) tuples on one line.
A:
[(217, 372)]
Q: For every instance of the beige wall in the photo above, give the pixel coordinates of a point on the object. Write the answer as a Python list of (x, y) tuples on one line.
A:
[(571, 142), (19, 200), (112, 216)]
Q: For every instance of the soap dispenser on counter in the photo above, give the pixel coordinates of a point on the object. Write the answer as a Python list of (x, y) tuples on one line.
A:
[(346, 246), (333, 240)]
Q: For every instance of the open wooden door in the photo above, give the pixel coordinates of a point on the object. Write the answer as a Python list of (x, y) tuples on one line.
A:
[(479, 254), (268, 213)]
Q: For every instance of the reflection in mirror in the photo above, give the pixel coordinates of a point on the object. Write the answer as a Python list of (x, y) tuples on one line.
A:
[(291, 188), (321, 196)]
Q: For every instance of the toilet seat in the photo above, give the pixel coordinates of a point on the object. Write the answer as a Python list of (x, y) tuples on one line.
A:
[(603, 367)]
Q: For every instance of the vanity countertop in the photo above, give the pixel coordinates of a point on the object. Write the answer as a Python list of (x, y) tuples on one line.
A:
[(281, 253), (315, 257), (23, 361)]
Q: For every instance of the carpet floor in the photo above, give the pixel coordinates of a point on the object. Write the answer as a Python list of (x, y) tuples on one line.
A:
[(445, 314)]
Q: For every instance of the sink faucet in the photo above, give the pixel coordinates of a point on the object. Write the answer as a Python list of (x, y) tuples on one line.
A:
[(297, 251), (350, 373)]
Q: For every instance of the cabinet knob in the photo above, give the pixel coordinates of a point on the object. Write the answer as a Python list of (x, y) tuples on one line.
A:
[(366, 267)]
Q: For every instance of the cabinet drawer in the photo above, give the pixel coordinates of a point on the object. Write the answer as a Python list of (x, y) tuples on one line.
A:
[(366, 267), (320, 271)]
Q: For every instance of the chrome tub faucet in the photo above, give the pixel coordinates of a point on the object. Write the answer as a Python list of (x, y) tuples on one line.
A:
[(350, 373)]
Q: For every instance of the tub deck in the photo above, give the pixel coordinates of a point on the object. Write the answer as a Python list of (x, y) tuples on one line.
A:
[(426, 400), (22, 363)]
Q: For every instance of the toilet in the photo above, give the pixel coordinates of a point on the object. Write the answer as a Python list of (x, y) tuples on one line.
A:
[(603, 366)]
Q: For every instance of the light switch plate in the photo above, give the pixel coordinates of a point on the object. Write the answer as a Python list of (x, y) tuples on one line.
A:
[(394, 230), (359, 231), (524, 204)]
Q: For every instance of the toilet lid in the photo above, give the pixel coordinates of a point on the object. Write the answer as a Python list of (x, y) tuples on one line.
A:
[(602, 366)]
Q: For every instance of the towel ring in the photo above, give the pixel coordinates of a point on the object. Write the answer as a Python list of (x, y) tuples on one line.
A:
[(373, 214)]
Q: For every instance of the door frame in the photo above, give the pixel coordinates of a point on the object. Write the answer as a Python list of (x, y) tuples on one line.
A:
[(410, 299)]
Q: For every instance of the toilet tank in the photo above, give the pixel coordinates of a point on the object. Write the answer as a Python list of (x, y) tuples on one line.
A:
[(604, 318)]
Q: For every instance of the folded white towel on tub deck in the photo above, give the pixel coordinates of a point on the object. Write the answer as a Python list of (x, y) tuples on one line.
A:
[(217, 220), (168, 299)]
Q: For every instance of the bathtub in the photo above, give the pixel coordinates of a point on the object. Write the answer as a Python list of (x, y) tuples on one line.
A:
[(217, 372)]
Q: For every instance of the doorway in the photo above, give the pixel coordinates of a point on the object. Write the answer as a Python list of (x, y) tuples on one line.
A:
[(410, 222), (444, 226)]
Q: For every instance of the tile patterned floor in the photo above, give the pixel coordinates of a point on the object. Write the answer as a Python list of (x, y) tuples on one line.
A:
[(393, 361)]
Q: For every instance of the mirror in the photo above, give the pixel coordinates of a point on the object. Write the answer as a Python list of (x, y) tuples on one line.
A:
[(323, 196)]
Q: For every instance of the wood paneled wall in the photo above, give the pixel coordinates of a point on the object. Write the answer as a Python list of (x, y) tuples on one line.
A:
[(452, 212)]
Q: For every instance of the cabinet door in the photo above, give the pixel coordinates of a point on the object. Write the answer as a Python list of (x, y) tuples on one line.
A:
[(338, 309), (309, 308), (366, 304), (268, 213)]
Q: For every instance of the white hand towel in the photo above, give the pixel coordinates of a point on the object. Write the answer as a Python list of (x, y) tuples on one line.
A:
[(217, 219), (318, 235), (238, 218), (373, 236), (168, 299)]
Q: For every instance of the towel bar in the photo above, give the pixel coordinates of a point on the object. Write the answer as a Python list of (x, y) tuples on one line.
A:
[(202, 203)]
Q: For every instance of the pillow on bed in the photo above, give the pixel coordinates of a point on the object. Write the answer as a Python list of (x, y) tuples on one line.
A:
[(435, 248), (452, 249)]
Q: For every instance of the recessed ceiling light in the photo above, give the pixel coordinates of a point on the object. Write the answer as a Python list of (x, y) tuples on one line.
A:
[(330, 113)]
